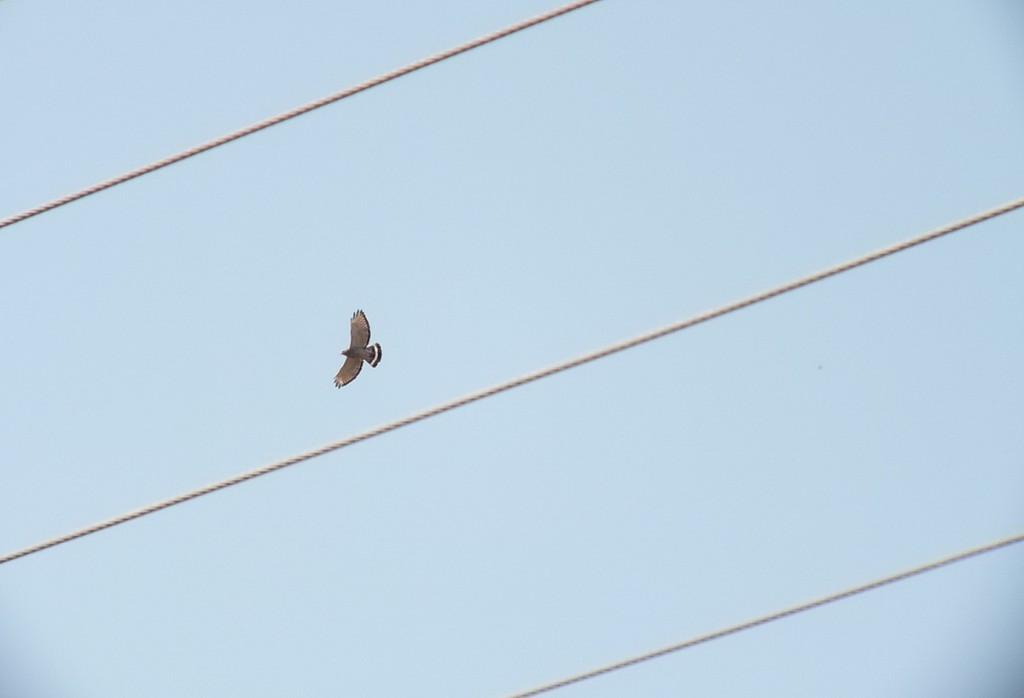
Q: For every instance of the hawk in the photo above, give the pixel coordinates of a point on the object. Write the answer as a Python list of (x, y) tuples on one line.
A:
[(358, 352)]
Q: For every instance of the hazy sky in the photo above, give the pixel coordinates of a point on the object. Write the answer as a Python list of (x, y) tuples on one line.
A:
[(617, 169)]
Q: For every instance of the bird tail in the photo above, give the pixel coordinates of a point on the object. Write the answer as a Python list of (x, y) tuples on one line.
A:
[(375, 359)]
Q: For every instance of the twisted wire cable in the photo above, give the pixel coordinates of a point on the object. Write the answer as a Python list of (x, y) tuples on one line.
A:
[(772, 617), (297, 111), (528, 378)]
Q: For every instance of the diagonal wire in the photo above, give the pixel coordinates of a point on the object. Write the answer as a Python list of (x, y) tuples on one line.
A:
[(778, 615), (528, 378), (297, 111)]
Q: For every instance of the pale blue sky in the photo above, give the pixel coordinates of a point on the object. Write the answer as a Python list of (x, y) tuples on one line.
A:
[(617, 169)]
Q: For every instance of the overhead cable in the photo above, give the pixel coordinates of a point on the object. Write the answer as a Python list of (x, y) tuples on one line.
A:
[(528, 378), (772, 617), (297, 111)]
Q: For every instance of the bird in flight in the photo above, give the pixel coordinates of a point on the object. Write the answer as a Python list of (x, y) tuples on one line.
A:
[(359, 351)]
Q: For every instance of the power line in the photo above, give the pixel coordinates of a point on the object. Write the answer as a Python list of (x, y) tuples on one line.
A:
[(298, 111), (528, 378), (778, 615)]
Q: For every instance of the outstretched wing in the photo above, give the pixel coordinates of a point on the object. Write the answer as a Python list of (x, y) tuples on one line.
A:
[(349, 370), (360, 331)]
